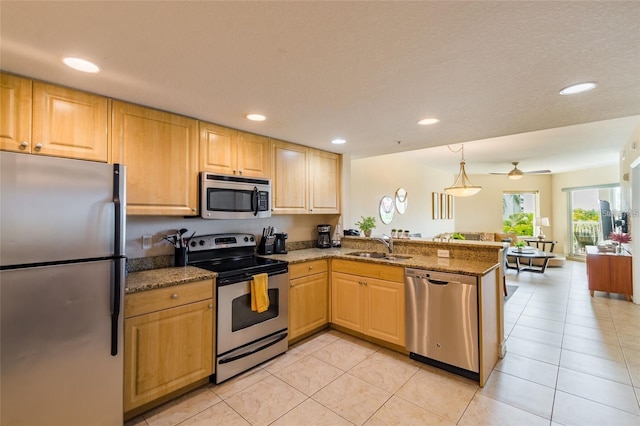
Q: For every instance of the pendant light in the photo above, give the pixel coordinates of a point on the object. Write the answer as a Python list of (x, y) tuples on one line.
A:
[(462, 186)]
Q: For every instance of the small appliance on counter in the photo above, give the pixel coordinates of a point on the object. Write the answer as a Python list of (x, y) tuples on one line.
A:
[(324, 236), (351, 233), (279, 245)]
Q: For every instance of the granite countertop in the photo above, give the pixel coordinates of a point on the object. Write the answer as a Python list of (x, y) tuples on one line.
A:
[(459, 266), (165, 277)]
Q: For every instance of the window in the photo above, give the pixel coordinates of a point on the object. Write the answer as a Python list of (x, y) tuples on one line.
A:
[(519, 213)]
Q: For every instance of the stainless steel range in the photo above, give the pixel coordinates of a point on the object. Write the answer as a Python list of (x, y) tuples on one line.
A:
[(244, 338)]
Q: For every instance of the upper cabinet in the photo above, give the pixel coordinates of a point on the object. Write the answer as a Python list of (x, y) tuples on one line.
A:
[(160, 151), (305, 180), (44, 119), (232, 152)]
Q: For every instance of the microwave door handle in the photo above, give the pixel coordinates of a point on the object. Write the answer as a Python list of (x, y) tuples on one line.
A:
[(254, 199)]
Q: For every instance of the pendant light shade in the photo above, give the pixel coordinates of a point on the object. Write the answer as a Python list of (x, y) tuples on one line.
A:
[(462, 186)]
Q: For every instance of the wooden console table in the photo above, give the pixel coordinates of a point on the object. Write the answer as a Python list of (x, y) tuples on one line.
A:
[(609, 272)]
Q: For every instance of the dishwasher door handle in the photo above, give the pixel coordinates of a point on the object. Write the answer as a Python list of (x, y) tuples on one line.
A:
[(437, 282)]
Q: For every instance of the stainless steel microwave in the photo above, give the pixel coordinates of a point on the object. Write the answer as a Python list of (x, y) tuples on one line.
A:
[(234, 197)]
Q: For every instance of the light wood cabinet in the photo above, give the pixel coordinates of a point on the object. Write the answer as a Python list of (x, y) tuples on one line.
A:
[(369, 299), (45, 119), (168, 341), (308, 297), (325, 180), (305, 180), (229, 151), (609, 272), (160, 151), (15, 113)]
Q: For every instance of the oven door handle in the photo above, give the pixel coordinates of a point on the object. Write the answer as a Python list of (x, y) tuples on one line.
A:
[(261, 348)]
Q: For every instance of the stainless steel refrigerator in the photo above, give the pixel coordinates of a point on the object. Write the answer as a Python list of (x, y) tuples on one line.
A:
[(62, 269)]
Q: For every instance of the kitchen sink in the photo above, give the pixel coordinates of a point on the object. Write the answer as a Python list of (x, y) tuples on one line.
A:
[(379, 255)]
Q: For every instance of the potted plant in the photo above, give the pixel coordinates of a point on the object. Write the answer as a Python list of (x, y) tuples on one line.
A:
[(366, 225), (519, 245), (457, 236)]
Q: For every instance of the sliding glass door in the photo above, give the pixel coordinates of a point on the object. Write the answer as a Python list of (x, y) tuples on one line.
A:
[(591, 211)]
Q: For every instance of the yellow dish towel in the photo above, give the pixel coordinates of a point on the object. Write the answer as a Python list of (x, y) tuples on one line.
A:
[(260, 293)]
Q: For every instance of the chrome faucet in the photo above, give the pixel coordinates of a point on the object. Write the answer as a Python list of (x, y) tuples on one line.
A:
[(386, 240)]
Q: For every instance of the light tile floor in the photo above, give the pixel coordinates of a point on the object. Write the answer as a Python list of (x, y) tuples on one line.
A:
[(571, 360)]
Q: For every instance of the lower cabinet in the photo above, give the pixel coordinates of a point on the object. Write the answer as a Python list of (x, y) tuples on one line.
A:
[(369, 299), (609, 272), (168, 341), (308, 297)]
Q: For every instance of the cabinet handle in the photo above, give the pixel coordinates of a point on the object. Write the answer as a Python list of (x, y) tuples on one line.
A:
[(292, 285), (235, 172), (310, 267), (210, 305), (24, 144), (174, 296), (38, 146), (239, 172)]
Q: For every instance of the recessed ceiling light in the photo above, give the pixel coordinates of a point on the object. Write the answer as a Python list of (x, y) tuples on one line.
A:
[(578, 88), (256, 117), (81, 65), (428, 121), (338, 141)]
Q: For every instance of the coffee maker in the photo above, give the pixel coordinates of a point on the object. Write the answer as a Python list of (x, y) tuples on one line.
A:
[(324, 236), (279, 245)]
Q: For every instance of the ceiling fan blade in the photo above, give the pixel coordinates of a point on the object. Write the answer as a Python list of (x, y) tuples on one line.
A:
[(537, 172)]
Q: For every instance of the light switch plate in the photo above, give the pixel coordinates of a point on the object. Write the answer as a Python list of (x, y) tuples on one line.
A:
[(146, 242), (443, 253)]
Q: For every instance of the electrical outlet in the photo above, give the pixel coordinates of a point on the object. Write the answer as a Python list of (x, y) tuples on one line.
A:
[(146, 242), (443, 253)]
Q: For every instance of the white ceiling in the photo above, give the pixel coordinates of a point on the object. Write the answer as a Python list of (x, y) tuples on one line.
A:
[(363, 71)]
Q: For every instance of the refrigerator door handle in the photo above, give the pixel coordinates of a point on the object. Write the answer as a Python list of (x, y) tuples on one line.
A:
[(115, 309), (119, 203)]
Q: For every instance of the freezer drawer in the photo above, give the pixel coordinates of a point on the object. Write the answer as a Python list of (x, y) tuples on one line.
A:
[(55, 346), (442, 317)]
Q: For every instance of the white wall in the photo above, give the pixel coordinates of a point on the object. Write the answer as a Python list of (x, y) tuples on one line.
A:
[(483, 212), (298, 227), (373, 178)]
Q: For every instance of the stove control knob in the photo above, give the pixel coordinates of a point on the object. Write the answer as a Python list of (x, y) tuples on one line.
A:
[(201, 242), (252, 239), (193, 244), (246, 239)]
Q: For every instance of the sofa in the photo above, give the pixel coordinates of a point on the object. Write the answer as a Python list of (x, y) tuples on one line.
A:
[(512, 238)]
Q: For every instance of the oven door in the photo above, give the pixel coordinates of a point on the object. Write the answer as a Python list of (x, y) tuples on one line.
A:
[(238, 325)]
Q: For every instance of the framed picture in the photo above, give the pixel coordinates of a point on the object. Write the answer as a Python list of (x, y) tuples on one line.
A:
[(435, 205), (443, 206), (449, 206)]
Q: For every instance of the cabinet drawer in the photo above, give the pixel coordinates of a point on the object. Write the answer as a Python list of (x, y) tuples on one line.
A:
[(303, 269), (164, 298), (367, 269)]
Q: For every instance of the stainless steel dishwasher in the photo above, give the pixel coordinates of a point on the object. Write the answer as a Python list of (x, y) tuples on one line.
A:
[(442, 320)]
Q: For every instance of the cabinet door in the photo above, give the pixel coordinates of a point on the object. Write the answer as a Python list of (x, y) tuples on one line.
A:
[(15, 113), (620, 275), (347, 301), (384, 310), (324, 177), (254, 155), (160, 151), (69, 123), (308, 304), (218, 152), (167, 350), (289, 178)]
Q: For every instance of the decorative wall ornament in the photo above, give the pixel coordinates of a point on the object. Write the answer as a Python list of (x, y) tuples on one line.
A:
[(401, 200), (387, 209), (435, 205)]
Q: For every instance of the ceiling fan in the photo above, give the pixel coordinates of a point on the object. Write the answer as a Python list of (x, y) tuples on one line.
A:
[(516, 173)]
